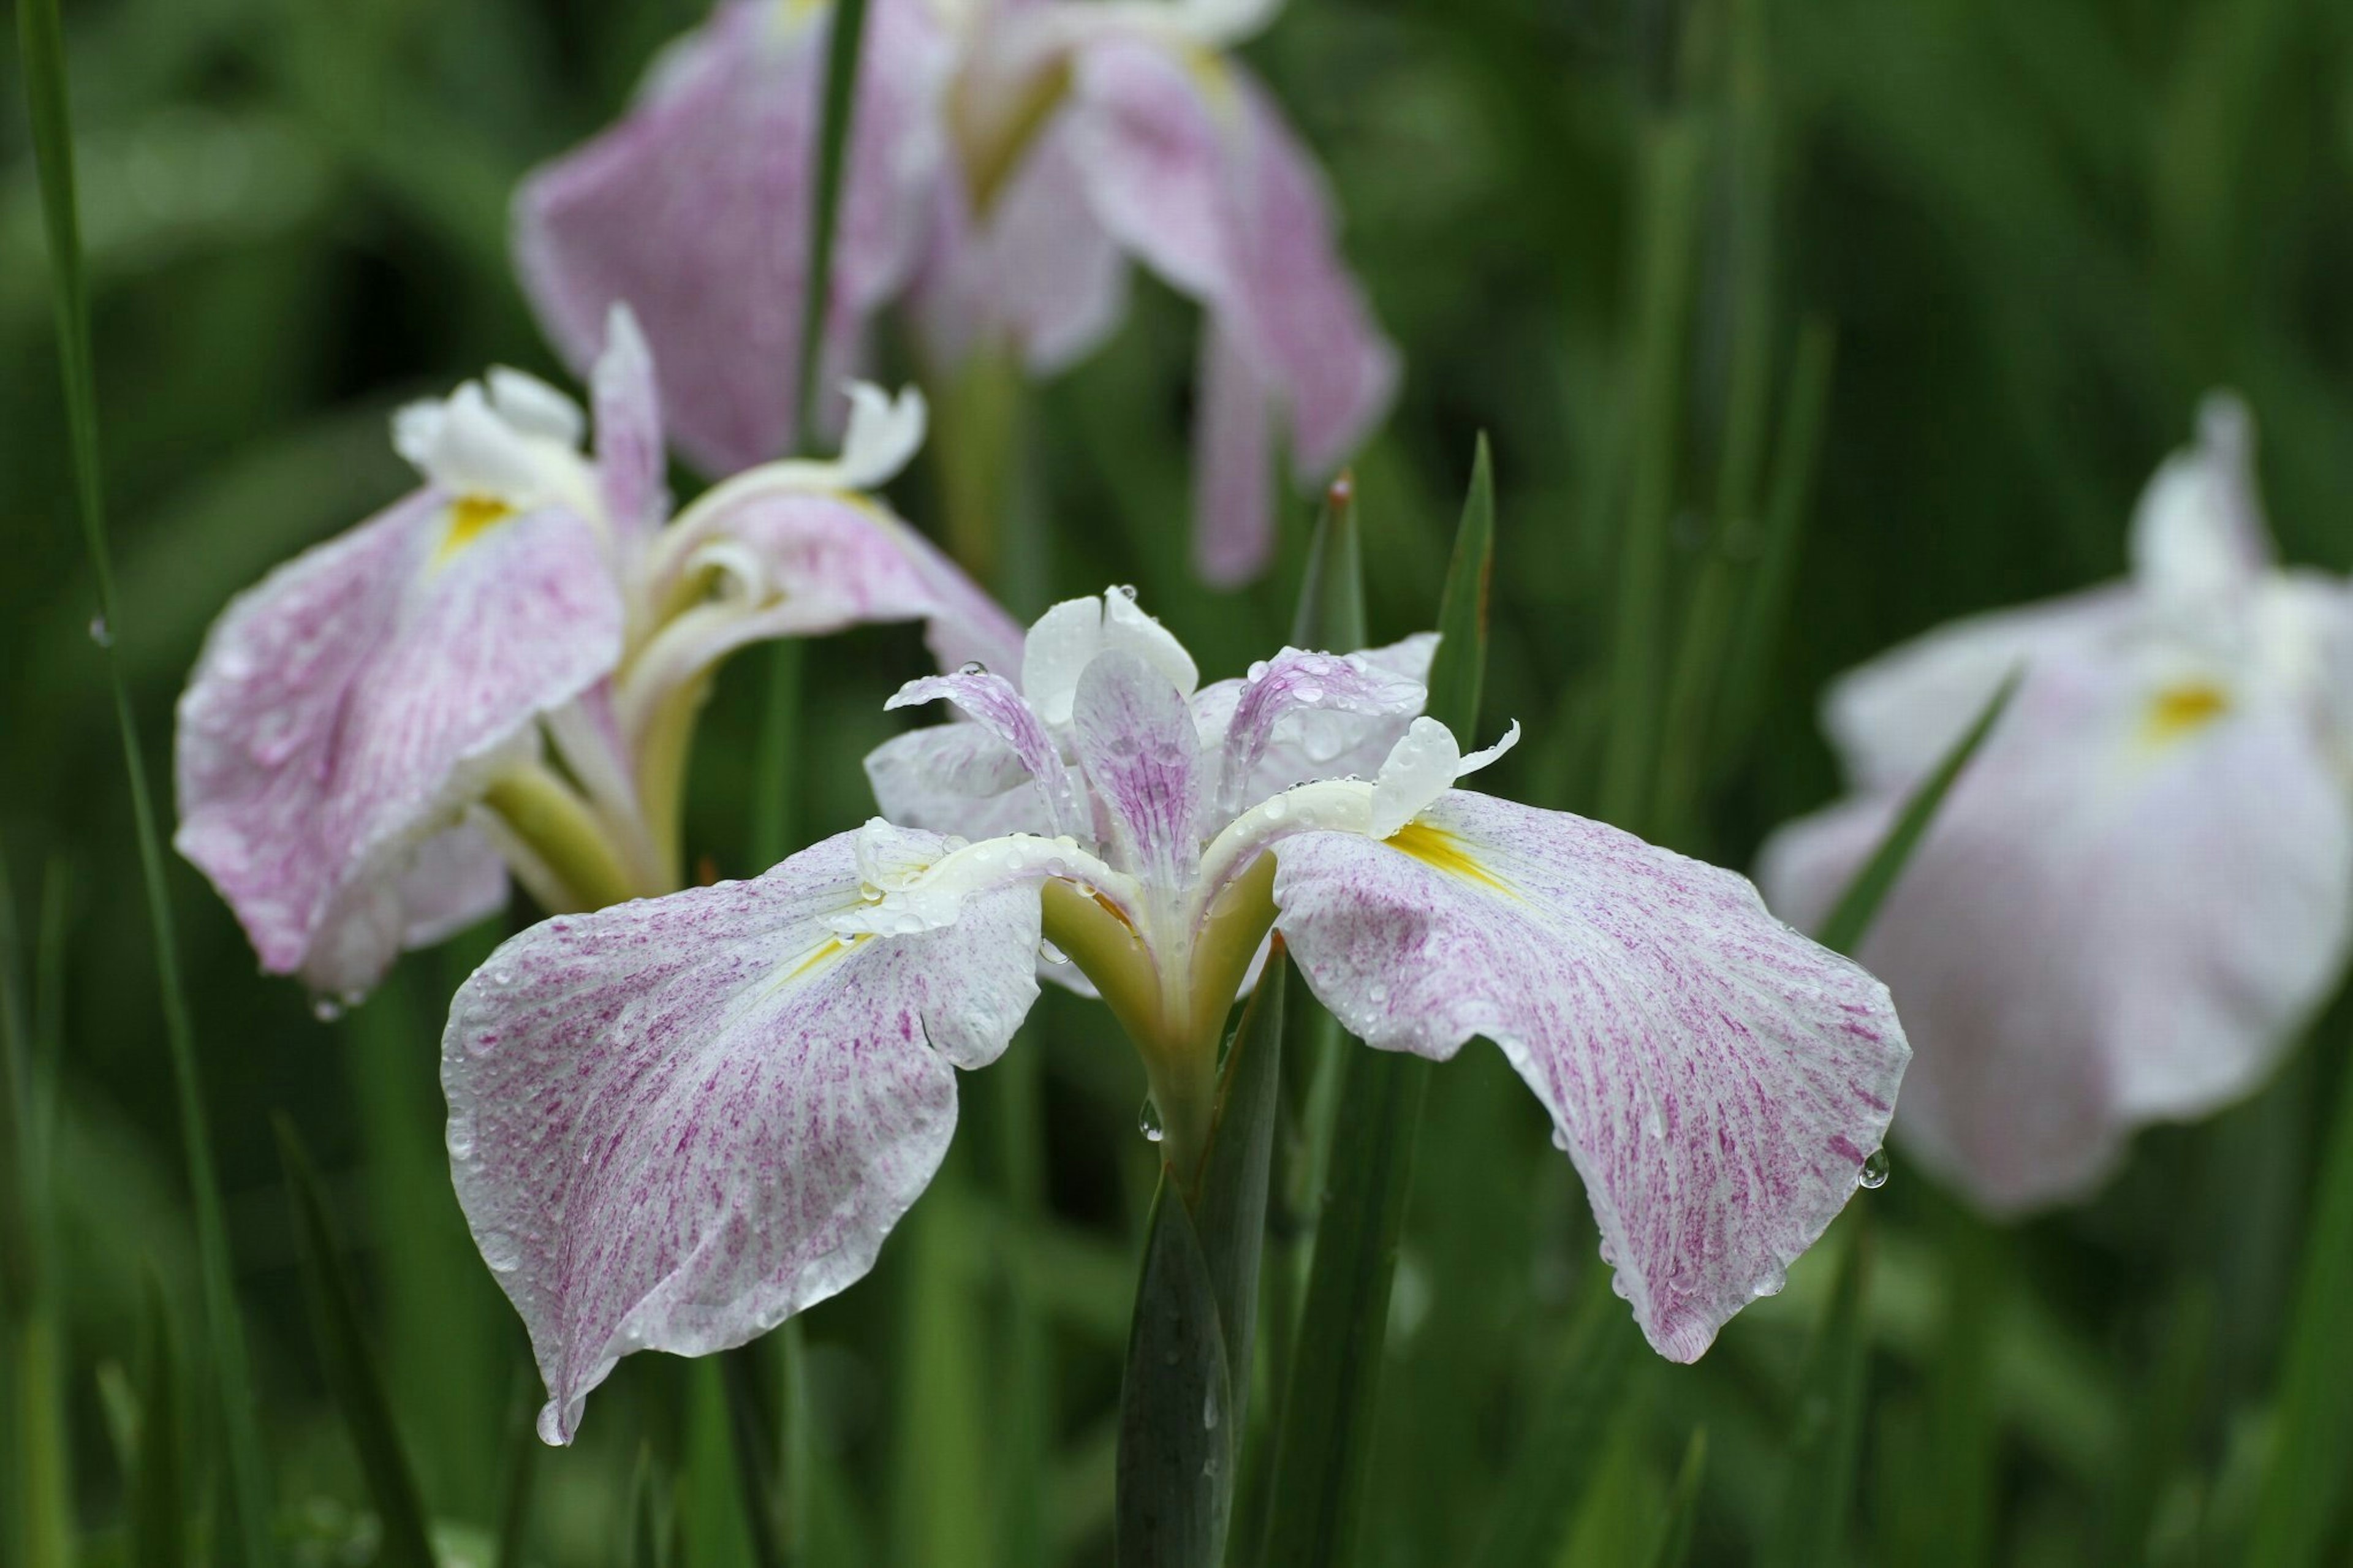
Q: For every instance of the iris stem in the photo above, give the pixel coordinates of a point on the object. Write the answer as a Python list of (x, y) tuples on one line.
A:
[(564, 831)]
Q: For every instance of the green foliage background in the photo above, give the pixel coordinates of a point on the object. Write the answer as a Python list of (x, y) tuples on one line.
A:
[(2036, 231)]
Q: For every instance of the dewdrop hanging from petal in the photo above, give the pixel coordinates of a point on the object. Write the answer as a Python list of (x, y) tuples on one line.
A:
[(691, 1117), (500, 673)]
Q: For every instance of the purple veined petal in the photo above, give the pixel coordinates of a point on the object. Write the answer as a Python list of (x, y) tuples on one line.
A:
[(675, 1122), (347, 709), (1142, 758), (1037, 271), (958, 779), (800, 562), (1068, 636), (1322, 704), (629, 453), (693, 208), (996, 704), (2123, 912), (1718, 1080)]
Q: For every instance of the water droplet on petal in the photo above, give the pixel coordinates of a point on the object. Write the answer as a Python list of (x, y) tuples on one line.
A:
[(1377, 993), (1147, 1120), (1874, 1174), (1624, 1292), (972, 667), (326, 1009), (1126, 591), (1770, 1285), (100, 633), (501, 976), (501, 1250), (462, 1137), (1052, 954), (1654, 1123)]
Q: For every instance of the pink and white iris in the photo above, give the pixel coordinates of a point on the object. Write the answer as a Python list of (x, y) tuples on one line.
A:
[(675, 1122), (501, 671), (1007, 158), (2144, 884)]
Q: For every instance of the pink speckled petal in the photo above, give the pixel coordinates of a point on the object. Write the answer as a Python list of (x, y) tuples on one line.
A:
[(1142, 758), (2098, 931), (454, 879), (956, 778), (629, 455), (674, 1123), (996, 705), (694, 208), (1234, 482), (350, 706), (1152, 149), (1321, 704), (1717, 1079)]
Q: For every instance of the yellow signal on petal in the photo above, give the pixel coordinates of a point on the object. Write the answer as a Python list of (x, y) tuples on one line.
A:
[(470, 517), (2183, 709), (833, 947), (1436, 847)]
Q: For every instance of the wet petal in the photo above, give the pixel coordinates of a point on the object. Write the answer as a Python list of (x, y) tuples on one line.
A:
[(1717, 1080), (2108, 924), (1322, 703), (693, 209), (1142, 758), (351, 705), (956, 778), (996, 705), (673, 1123), (1068, 637)]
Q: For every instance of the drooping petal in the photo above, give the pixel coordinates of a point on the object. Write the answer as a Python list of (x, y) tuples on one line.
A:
[(1717, 1080), (675, 1122), (2123, 913), (630, 458), (1233, 461), (694, 210), (996, 705), (802, 563), (454, 879), (1142, 758), (348, 708), (1323, 704)]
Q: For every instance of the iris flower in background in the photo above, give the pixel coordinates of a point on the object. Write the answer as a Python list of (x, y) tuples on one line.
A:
[(674, 1123), (501, 671), (2141, 888), (1007, 158)]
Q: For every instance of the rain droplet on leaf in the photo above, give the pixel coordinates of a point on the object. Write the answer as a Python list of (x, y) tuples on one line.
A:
[(1147, 1120), (100, 633)]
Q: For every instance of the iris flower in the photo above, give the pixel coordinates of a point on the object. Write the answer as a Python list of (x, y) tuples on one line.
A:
[(501, 671), (2141, 888), (1007, 158), (675, 1122)]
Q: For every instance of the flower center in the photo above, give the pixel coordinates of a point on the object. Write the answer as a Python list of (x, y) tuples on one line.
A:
[(470, 517)]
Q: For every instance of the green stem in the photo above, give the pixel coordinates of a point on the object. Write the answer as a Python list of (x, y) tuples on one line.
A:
[(838, 113), (45, 1528), (42, 43), (564, 831)]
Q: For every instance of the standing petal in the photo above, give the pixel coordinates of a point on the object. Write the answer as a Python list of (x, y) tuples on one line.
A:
[(695, 210), (2111, 922), (630, 458), (674, 1123), (1142, 758), (1717, 1080), (1324, 704), (349, 707)]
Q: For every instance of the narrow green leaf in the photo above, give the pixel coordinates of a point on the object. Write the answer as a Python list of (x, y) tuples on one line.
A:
[(522, 1473), (839, 109), (1826, 1435), (939, 1487), (159, 1502), (1851, 918), (1683, 1505), (41, 42), (1331, 610), (1665, 249), (1229, 1209), (1175, 1431), (37, 1440), (1324, 1444), (645, 1515), (712, 1519), (1559, 1457), (772, 816), (743, 1376), (2164, 1436), (350, 1366), (21, 1232), (2302, 1497)]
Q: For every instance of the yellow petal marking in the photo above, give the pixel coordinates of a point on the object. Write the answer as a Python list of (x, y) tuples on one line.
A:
[(833, 947), (2183, 709), (1436, 847), (470, 517)]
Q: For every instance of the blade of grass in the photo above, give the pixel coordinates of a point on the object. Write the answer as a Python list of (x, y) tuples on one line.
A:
[(351, 1375), (838, 113), (1665, 250), (1826, 1436), (521, 1472), (41, 41), (1557, 1458), (2302, 1499), (159, 1504), (1682, 1505), (1324, 1446), (1844, 931)]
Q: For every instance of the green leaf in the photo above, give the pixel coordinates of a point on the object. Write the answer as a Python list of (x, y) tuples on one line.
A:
[(158, 1482), (1851, 918), (1330, 615), (1185, 1399), (41, 42), (1557, 1458), (353, 1378), (1324, 1445), (645, 1515), (2302, 1497), (521, 1472), (1826, 1436), (837, 111), (1176, 1435), (1682, 1505)]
